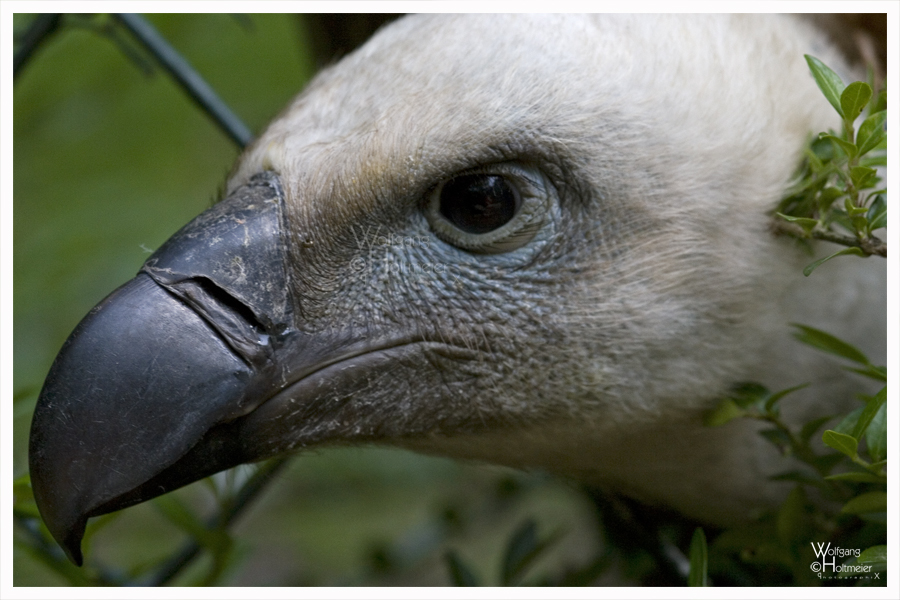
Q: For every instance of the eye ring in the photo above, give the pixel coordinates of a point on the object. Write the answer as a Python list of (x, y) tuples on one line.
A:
[(491, 210)]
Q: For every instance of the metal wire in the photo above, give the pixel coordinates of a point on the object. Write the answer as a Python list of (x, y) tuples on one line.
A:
[(188, 78)]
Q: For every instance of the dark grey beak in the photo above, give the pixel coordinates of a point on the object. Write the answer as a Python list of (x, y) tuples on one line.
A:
[(147, 393)]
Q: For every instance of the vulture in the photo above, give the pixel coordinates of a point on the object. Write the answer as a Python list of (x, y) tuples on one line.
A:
[(541, 241)]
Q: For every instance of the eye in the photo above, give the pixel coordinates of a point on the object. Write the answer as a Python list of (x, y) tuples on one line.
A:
[(478, 203), (494, 210)]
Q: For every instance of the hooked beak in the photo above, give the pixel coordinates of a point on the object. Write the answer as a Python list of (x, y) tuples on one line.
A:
[(148, 392)]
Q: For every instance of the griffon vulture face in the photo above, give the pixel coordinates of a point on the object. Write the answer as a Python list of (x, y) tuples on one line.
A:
[(534, 240)]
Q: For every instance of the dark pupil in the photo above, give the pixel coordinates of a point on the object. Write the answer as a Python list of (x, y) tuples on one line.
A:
[(478, 203)]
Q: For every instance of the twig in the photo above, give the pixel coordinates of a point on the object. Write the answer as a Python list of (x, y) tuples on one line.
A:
[(248, 492), (870, 245)]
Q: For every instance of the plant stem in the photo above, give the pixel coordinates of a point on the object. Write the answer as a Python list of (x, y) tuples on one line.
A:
[(870, 245)]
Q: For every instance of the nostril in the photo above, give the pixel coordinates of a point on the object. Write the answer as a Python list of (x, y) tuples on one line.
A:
[(231, 319)]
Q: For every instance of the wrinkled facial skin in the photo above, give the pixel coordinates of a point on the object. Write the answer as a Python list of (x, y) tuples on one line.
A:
[(633, 284)]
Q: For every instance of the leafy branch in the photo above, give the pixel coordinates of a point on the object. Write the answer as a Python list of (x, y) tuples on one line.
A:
[(836, 197)]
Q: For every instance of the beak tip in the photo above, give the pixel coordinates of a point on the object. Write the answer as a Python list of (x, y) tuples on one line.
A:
[(72, 546)]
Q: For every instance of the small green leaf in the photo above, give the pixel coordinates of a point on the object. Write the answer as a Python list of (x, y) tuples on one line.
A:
[(848, 423), (777, 437), (877, 160), (699, 557), (807, 224), (826, 462), (858, 476), (523, 548), (873, 555), (848, 148), (828, 81), (798, 477), (862, 177), (748, 393), (866, 503), (854, 99), (871, 409), (815, 161), (827, 197), (774, 398), (812, 427), (877, 214), (845, 444), (808, 269), (790, 520), (852, 209), (726, 411), (880, 102), (871, 371), (871, 132), (827, 342), (460, 574), (876, 433)]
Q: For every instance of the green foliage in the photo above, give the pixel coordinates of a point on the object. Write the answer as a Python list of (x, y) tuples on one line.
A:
[(836, 195), (850, 482), (699, 557)]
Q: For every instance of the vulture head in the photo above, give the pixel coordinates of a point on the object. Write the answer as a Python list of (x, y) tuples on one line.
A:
[(533, 240)]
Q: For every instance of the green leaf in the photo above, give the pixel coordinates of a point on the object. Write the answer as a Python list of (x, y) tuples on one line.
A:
[(857, 476), (813, 426), (877, 160), (460, 574), (726, 411), (748, 393), (877, 373), (798, 477), (862, 177), (880, 102), (852, 209), (826, 462), (790, 521), (854, 99), (873, 555), (877, 214), (827, 197), (848, 423), (807, 224), (808, 269), (522, 550), (828, 81), (845, 444), (848, 148), (871, 132), (866, 503), (699, 557), (871, 409), (827, 342), (770, 403), (876, 433), (777, 437)]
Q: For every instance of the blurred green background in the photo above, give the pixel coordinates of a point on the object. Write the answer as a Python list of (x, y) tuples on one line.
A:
[(108, 163)]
